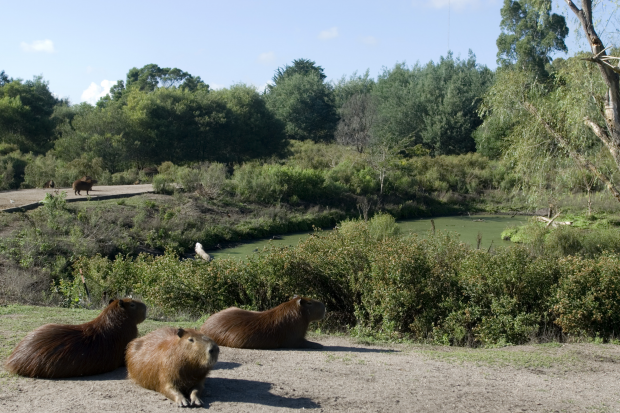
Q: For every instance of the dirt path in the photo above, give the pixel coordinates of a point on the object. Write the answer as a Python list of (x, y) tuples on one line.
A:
[(350, 377), (24, 197)]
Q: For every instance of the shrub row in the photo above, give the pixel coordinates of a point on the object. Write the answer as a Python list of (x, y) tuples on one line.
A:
[(378, 283)]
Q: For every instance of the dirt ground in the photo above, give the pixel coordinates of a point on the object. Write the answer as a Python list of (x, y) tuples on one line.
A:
[(348, 377), (28, 196)]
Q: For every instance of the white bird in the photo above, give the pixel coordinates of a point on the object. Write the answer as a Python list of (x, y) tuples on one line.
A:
[(201, 252), (11, 201)]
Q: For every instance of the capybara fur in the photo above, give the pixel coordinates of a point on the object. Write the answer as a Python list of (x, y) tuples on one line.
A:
[(284, 326), (49, 184), (56, 351), (84, 184), (174, 362)]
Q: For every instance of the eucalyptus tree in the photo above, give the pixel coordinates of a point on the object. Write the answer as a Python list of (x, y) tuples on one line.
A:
[(530, 33)]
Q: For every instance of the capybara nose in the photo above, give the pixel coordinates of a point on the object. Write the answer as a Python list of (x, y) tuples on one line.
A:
[(214, 350)]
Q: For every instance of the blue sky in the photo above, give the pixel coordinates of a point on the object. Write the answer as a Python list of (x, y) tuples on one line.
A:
[(82, 48)]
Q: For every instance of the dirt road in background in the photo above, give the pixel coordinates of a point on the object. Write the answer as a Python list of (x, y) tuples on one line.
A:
[(349, 377), (24, 197)]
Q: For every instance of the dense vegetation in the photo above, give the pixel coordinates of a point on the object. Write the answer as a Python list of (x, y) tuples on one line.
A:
[(445, 137)]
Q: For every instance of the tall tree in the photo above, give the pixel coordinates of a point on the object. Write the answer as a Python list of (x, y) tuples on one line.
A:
[(530, 33), (357, 117), (433, 105), (609, 135), (303, 101), (300, 66), (26, 109)]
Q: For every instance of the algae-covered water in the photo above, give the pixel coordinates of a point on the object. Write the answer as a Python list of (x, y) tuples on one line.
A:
[(489, 226)]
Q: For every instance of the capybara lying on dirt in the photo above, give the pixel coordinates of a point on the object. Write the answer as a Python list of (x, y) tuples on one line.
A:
[(49, 184), (174, 362), (83, 184), (282, 326), (57, 350)]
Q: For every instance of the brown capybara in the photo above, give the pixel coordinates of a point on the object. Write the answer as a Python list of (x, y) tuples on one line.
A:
[(174, 362), (49, 184), (282, 326), (55, 350), (83, 184)]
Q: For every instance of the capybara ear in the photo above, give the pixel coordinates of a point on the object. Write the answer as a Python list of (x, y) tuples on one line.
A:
[(180, 332), (110, 302), (121, 303)]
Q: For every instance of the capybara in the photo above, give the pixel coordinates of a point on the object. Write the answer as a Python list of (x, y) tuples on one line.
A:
[(83, 184), (282, 326), (174, 362), (55, 350), (49, 184)]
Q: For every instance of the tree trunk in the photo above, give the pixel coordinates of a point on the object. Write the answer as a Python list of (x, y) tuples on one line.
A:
[(611, 136)]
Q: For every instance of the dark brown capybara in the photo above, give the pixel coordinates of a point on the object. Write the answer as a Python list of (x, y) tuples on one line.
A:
[(284, 326), (174, 362), (57, 351), (49, 184), (84, 184)]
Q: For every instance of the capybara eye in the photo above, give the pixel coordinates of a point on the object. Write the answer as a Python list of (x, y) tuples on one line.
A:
[(191, 340)]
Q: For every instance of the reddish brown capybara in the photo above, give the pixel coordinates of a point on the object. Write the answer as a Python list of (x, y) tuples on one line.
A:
[(284, 326), (56, 350), (174, 362), (84, 184), (49, 184)]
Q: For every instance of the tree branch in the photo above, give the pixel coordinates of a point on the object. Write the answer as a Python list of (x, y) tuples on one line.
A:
[(575, 155), (602, 135)]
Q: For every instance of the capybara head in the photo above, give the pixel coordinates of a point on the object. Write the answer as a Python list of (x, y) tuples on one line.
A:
[(95, 347), (313, 309), (135, 310), (196, 349), (172, 361)]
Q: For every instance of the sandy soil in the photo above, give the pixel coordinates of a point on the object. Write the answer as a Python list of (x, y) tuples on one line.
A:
[(29, 196), (349, 377)]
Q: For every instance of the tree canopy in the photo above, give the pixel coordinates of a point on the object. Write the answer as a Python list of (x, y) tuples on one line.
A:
[(303, 101)]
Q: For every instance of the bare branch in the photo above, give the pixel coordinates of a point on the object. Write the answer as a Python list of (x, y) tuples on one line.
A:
[(602, 135)]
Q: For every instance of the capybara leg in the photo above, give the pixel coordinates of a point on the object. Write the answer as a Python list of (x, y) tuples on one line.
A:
[(195, 391), (176, 396), (194, 399)]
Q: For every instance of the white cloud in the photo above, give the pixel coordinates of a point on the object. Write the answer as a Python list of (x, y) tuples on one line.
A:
[(94, 92), (369, 40), (329, 34), (266, 57), (46, 46), (457, 5)]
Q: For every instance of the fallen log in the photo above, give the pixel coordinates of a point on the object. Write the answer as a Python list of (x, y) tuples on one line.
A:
[(552, 222)]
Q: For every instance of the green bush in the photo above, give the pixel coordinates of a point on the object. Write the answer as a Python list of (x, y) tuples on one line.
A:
[(587, 301), (504, 298), (40, 170)]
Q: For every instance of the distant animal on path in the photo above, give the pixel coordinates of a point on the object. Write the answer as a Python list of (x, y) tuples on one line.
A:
[(284, 326), (83, 184), (49, 184), (174, 362), (56, 351)]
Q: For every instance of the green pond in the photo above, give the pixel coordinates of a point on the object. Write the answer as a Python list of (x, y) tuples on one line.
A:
[(489, 226)]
